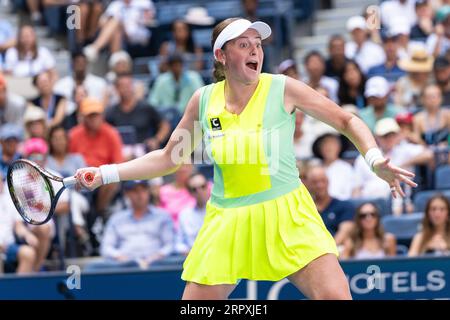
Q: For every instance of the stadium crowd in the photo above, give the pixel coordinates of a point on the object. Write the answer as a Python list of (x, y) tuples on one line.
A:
[(396, 78)]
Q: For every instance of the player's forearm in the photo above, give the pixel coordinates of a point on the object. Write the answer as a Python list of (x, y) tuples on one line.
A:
[(359, 134)]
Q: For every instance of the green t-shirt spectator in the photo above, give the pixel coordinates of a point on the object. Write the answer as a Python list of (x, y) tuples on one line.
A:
[(368, 115)]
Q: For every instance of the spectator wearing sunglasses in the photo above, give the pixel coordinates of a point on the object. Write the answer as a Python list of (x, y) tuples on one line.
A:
[(367, 239), (191, 219)]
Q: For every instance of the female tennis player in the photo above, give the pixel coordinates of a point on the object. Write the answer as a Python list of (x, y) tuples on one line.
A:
[(261, 223)]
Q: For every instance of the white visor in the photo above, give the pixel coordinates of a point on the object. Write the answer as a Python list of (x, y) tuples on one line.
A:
[(238, 27)]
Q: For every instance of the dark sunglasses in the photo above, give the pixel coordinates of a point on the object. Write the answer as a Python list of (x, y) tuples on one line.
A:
[(364, 215), (195, 189)]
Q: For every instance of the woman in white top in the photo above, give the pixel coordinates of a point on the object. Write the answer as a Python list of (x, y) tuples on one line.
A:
[(368, 240), (27, 59)]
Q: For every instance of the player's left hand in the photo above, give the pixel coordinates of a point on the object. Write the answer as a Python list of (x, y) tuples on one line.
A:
[(393, 175)]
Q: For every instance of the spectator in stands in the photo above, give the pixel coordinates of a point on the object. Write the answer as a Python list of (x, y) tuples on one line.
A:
[(439, 42), (90, 12), (53, 104), (337, 60), (99, 143), (12, 106), (389, 69), (328, 148), (336, 214), (351, 86), (10, 136), (400, 152), (368, 240), (315, 69), (441, 70), (7, 37), (409, 88), (120, 63), (150, 128), (432, 125), (35, 122), (173, 89), (59, 158), (175, 196), (191, 219), (301, 148), (250, 9), (20, 257), (95, 86), (405, 121), (36, 149), (434, 238), (289, 67), (182, 43), (124, 21), (398, 9), (27, 59), (424, 26), (365, 52), (377, 94), (138, 236)]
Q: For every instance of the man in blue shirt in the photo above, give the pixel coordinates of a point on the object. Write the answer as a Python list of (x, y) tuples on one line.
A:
[(138, 236), (336, 214)]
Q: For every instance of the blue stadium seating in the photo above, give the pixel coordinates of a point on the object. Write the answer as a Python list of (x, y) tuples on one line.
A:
[(382, 204), (421, 198), (404, 227), (442, 177)]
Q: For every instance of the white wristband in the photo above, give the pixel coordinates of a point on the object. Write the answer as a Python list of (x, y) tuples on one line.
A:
[(110, 174), (373, 155)]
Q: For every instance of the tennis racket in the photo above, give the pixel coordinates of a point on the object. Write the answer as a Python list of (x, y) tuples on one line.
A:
[(31, 190)]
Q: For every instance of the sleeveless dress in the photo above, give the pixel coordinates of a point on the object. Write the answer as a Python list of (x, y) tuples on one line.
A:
[(261, 222)]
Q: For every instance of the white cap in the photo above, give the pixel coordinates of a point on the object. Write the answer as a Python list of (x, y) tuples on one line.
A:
[(385, 126), (238, 27), (400, 25), (33, 113), (356, 22), (377, 87), (198, 16), (119, 56)]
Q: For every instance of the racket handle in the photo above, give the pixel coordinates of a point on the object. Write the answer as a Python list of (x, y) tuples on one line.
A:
[(69, 181)]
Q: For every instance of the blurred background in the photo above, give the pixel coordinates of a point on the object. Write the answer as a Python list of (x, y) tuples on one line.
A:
[(91, 82)]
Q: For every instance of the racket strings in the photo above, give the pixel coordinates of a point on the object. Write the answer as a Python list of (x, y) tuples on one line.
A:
[(31, 191)]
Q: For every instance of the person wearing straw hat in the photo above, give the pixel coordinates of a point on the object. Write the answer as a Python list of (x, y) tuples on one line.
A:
[(409, 87), (261, 222)]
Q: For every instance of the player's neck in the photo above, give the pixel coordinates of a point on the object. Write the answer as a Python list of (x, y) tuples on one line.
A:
[(237, 93)]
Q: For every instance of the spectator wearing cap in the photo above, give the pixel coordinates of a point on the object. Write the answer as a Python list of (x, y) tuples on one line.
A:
[(138, 236), (409, 87), (53, 104), (400, 152), (124, 21), (12, 106), (288, 67), (181, 43), (328, 148), (393, 9), (401, 29), (405, 122), (441, 70), (191, 219), (336, 61), (94, 85), (377, 93), (351, 85), (35, 122), (336, 214), (150, 128), (119, 63), (439, 42), (174, 88), (99, 143), (389, 69), (10, 137), (432, 124), (315, 69), (424, 26), (365, 52)]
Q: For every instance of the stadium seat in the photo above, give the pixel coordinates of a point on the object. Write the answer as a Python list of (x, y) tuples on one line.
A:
[(442, 177), (421, 198), (404, 227)]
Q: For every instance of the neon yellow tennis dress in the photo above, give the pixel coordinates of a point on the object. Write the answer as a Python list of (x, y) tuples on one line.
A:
[(260, 223)]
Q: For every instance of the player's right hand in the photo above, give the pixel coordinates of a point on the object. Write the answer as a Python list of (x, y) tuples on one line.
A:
[(88, 178)]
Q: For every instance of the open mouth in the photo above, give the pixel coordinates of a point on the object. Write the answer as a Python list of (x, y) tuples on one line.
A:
[(252, 65)]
